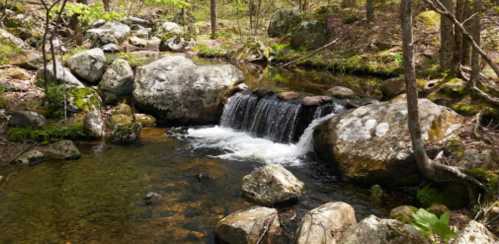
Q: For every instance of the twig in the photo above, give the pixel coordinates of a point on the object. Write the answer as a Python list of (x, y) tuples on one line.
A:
[(310, 54)]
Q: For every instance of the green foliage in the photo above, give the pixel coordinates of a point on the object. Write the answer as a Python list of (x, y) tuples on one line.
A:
[(429, 225), (55, 101), (489, 178), (174, 3), (210, 52), (48, 133), (429, 195), (90, 13)]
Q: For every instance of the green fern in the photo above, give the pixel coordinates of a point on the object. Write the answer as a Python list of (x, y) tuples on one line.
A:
[(429, 225)]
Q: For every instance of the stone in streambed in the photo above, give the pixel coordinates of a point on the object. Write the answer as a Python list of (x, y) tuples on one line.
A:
[(271, 185), (88, 65)]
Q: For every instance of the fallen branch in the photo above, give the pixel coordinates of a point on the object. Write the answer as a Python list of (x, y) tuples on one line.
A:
[(311, 54), (474, 87)]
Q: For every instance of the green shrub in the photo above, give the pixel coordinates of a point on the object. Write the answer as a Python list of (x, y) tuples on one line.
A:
[(430, 225)]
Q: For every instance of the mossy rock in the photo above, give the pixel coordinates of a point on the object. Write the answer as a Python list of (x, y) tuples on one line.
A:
[(488, 177), (121, 120), (8, 51), (310, 35), (85, 98), (403, 213), (49, 133), (454, 196)]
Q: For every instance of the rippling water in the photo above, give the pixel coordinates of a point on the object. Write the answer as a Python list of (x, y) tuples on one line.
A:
[(100, 198)]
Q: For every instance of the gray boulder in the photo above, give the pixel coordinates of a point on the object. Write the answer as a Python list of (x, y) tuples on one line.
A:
[(249, 226), (117, 81), (88, 65), (26, 119), (31, 157), (372, 144), (15, 41), (271, 184), (94, 124), (475, 232), (111, 48), (175, 90), (110, 32), (171, 28), (63, 75), (283, 22), (341, 92), (310, 35), (374, 230), (326, 223), (64, 149)]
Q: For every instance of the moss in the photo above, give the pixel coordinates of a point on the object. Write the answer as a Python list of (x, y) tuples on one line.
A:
[(452, 195), (85, 98), (7, 51), (134, 60), (48, 133), (430, 19), (489, 178), (210, 52), (72, 52), (454, 87), (79, 99)]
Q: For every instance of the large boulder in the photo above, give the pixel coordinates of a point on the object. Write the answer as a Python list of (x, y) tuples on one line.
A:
[(310, 35), (175, 90), (252, 226), (64, 149), (117, 82), (374, 230), (110, 32), (125, 134), (171, 28), (271, 184), (326, 223), (371, 144), (475, 233), (63, 76), (283, 22), (88, 65), (26, 119)]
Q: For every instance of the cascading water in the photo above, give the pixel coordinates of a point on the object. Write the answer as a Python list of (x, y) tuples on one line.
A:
[(264, 129)]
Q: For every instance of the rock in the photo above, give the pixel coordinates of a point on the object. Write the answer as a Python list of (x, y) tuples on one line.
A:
[(1, 179), (310, 35), (29, 59), (84, 99), (123, 109), (88, 65), (374, 230), (117, 81), (151, 197), (4, 121), (289, 95), (9, 37), (438, 209), (138, 43), (121, 120), (177, 44), (283, 22), (403, 213), (371, 144), (98, 23), (341, 92), (110, 32), (175, 90), (26, 119), (171, 28), (15, 79), (475, 233), (111, 48), (31, 157), (94, 124), (126, 134), (393, 87), (249, 226), (143, 33), (315, 100), (64, 75), (271, 184), (326, 223), (145, 120), (64, 149), (132, 20)]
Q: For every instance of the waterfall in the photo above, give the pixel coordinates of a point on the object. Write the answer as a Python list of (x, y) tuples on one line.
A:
[(305, 144)]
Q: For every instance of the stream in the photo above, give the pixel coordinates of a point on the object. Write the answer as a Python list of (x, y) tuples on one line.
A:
[(197, 171)]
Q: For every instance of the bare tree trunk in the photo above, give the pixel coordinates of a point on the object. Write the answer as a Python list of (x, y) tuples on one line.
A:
[(430, 169), (213, 18), (370, 10), (475, 32), (466, 51), (447, 42), (107, 5)]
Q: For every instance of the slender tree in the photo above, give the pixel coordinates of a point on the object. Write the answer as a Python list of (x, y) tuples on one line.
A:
[(107, 5), (475, 32), (370, 10), (430, 169), (213, 18), (447, 42)]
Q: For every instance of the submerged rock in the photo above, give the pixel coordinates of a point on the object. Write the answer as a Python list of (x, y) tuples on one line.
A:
[(151, 197), (88, 65), (31, 157), (326, 223), (372, 144), (175, 90), (126, 134), (64, 149), (272, 184), (252, 226), (374, 230), (475, 233), (145, 120), (26, 119), (117, 81)]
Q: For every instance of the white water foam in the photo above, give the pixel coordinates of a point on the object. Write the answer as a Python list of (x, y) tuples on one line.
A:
[(237, 145)]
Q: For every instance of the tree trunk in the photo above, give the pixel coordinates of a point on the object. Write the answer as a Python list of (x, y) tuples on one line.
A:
[(458, 53), (466, 52), (349, 3), (446, 40), (107, 5), (430, 169), (370, 10), (213, 18), (475, 32)]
